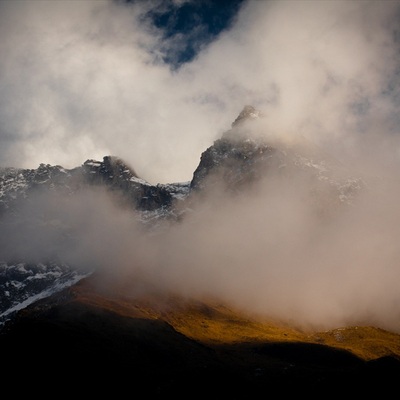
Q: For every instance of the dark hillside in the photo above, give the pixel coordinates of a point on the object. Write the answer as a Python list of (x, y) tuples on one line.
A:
[(106, 344)]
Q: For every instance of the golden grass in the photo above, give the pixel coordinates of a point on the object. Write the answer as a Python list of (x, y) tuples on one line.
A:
[(366, 342), (213, 323)]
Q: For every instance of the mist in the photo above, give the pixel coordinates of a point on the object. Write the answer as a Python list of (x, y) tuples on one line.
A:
[(267, 250), (87, 81), (270, 250)]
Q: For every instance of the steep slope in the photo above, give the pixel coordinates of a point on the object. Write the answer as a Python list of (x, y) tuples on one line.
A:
[(22, 284), (25, 280), (246, 155), (164, 344), (17, 185)]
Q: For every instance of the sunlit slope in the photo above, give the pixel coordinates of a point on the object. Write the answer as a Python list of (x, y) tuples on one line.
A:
[(213, 323), (119, 338)]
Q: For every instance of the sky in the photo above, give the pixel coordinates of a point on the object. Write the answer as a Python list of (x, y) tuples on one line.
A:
[(156, 82), (83, 79)]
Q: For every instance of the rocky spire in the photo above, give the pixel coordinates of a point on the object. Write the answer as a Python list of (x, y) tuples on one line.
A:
[(248, 112)]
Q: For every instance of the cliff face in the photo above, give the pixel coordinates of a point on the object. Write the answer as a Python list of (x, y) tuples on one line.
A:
[(111, 173), (116, 176), (244, 157)]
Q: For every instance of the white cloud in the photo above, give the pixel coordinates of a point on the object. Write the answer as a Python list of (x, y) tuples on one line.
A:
[(82, 82), (87, 81)]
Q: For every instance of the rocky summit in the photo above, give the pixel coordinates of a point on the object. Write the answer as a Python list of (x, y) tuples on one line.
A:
[(243, 157), (111, 173)]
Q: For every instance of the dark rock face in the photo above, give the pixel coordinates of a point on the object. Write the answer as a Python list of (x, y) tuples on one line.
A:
[(232, 162), (243, 156), (16, 185), (235, 160), (113, 173), (24, 283)]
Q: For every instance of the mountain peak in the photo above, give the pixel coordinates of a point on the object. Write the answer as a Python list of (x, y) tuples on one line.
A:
[(248, 112), (112, 165)]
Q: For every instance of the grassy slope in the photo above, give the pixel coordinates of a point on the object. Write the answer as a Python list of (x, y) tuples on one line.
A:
[(102, 342), (215, 324)]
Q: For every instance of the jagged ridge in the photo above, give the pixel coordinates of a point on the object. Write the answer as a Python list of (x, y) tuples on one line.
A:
[(235, 162)]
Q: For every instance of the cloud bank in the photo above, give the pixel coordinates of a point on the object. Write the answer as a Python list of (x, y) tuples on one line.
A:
[(85, 81)]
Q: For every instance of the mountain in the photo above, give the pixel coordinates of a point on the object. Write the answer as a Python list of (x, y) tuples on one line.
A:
[(243, 157), (235, 163), (17, 185), (106, 341), (116, 333), (23, 281)]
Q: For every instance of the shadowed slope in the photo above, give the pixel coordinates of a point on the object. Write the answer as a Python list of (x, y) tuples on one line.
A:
[(167, 345)]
